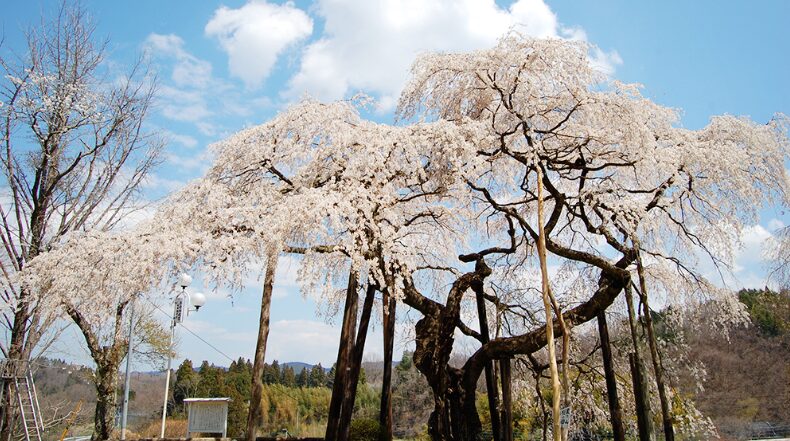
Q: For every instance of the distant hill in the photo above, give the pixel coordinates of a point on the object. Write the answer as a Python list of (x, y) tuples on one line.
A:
[(748, 372), (297, 366)]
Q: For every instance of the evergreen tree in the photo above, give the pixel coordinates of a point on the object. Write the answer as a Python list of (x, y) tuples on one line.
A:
[(302, 379), (330, 377), (211, 381), (288, 378), (317, 376), (184, 385), (405, 362), (271, 373), (239, 377), (363, 379), (276, 372)]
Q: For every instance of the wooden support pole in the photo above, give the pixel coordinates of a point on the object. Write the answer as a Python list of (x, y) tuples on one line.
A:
[(385, 411), (491, 386), (255, 415), (355, 365), (641, 398), (343, 357), (547, 306), (658, 366), (616, 414), (507, 400)]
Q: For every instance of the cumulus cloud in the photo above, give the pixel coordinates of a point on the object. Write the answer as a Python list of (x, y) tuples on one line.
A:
[(184, 97), (184, 140), (188, 70), (606, 62), (750, 265), (191, 93), (286, 282), (370, 45), (255, 34), (303, 340)]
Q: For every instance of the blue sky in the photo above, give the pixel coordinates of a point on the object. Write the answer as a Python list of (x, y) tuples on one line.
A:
[(226, 65)]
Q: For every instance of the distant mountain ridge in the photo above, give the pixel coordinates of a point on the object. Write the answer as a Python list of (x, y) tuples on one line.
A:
[(298, 366)]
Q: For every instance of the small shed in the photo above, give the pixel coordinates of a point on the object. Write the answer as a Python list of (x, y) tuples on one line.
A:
[(207, 415)]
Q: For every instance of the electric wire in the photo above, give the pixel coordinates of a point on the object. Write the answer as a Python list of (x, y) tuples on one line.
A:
[(209, 344), (190, 331)]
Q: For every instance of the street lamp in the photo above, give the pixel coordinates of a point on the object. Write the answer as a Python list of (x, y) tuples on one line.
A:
[(181, 306)]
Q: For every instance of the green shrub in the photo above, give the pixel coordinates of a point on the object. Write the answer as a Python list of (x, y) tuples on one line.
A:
[(364, 429), (769, 310)]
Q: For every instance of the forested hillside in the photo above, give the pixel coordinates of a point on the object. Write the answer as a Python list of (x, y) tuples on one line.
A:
[(748, 372), (746, 385)]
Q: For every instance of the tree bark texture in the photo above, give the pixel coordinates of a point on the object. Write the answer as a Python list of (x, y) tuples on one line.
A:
[(638, 378), (106, 401), (491, 385), (343, 358), (385, 410), (507, 400), (108, 361), (641, 401), (347, 409), (658, 367), (615, 413), (547, 305), (255, 415)]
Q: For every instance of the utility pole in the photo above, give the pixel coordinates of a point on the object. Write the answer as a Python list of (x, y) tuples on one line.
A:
[(128, 373)]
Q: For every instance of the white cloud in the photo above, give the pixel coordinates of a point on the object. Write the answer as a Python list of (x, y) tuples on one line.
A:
[(370, 45), (188, 105), (534, 17), (219, 335), (191, 93), (606, 62), (185, 140), (749, 268), (254, 36), (199, 162), (185, 98), (775, 224), (188, 70), (154, 181), (302, 340)]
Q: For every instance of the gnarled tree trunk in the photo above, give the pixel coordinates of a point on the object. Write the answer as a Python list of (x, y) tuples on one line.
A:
[(106, 401), (108, 360)]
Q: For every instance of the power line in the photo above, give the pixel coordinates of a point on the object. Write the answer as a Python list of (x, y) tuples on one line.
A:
[(190, 331), (212, 346)]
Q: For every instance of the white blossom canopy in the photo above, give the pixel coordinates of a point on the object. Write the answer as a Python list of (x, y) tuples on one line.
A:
[(458, 174)]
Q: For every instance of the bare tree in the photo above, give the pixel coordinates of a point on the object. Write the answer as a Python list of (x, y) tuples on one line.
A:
[(779, 257), (73, 155), (108, 346)]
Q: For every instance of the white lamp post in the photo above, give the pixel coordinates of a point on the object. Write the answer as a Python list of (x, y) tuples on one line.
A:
[(197, 300)]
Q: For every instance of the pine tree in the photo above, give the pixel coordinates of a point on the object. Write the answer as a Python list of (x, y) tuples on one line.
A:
[(363, 379), (184, 385), (288, 378), (276, 372), (317, 376), (268, 374), (330, 377), (211, 381), (302, 379)]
